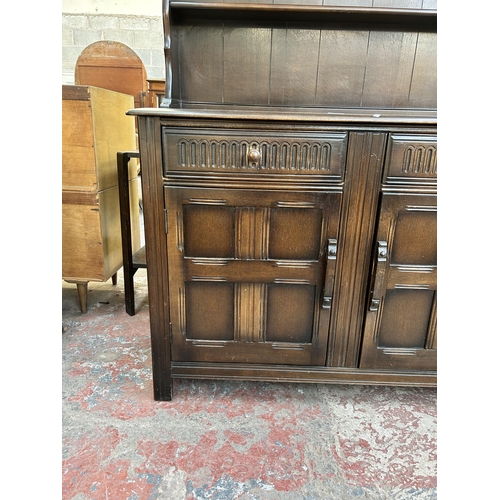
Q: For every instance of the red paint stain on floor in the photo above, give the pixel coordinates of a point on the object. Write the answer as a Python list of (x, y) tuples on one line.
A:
[(278, 459), (92, 470)]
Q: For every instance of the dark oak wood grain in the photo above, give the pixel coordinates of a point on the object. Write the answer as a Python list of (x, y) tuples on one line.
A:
[(302, 54), (156, 249), (133, 257), (260, 261), (400, 331), (366, 153), (289, 186), (299, 374)]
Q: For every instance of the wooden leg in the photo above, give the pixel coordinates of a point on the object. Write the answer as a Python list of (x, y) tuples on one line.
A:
[(128, 282), (114, 279), (82, 295), (123, 158)]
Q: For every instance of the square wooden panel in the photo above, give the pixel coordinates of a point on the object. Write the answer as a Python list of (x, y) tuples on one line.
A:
[(295, 233), (290, 313), (415, 239), (405, 322), (211, 311), (208, 231)]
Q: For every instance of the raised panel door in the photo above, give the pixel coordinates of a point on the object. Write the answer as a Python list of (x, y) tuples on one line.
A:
[(251, 274), (400, 329)]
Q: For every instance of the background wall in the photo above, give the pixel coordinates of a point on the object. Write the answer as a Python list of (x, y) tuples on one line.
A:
[(136, 23)]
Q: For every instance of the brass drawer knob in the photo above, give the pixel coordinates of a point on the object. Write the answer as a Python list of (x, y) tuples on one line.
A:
[(254, 155)]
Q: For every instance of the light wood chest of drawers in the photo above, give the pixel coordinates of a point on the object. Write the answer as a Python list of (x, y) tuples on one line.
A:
[(94, 128)]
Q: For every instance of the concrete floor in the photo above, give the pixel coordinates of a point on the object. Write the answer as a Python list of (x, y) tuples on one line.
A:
[(225, 440)]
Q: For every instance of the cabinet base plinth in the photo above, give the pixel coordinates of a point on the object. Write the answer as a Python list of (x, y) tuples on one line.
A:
[(295, 374)]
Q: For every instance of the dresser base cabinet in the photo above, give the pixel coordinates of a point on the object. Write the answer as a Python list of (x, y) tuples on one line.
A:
[(284, 250), (289, 193)]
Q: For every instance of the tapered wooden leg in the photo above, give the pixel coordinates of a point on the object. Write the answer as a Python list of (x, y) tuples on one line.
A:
[(114, 279), (82, 295)]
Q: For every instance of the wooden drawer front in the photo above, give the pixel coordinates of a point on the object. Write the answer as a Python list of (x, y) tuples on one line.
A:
[(411, 158), (191, 150)]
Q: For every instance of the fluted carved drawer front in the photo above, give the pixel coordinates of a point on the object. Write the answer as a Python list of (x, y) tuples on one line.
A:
[(411, 158), (194, 150)]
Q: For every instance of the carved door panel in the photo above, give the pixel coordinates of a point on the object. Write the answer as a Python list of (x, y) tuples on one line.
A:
[(400, 330), (251, 274)]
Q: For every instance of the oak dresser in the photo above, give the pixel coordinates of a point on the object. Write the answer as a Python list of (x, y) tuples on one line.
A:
[(290, 193)]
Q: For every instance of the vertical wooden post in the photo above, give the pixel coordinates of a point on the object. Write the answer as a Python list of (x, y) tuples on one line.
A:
[(167, 98), (361, 194), (156, 254)]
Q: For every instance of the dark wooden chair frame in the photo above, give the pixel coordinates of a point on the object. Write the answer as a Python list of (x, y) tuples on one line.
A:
[(131, 262)]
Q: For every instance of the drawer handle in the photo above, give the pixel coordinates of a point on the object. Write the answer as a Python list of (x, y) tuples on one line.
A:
[(253, 155)]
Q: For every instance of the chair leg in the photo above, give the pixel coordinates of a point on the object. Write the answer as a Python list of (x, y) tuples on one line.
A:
[(123, 158), (82, 289), (114, 279), (128, 283)]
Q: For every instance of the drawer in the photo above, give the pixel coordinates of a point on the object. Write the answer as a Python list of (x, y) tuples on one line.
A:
[(411, 159), (249, 152)]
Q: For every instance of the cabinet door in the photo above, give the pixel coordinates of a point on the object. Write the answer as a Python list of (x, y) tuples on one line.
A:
[(400, 329), (251, 274)]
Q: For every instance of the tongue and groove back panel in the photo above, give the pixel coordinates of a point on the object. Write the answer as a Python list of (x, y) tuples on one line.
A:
[(338, 59)]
